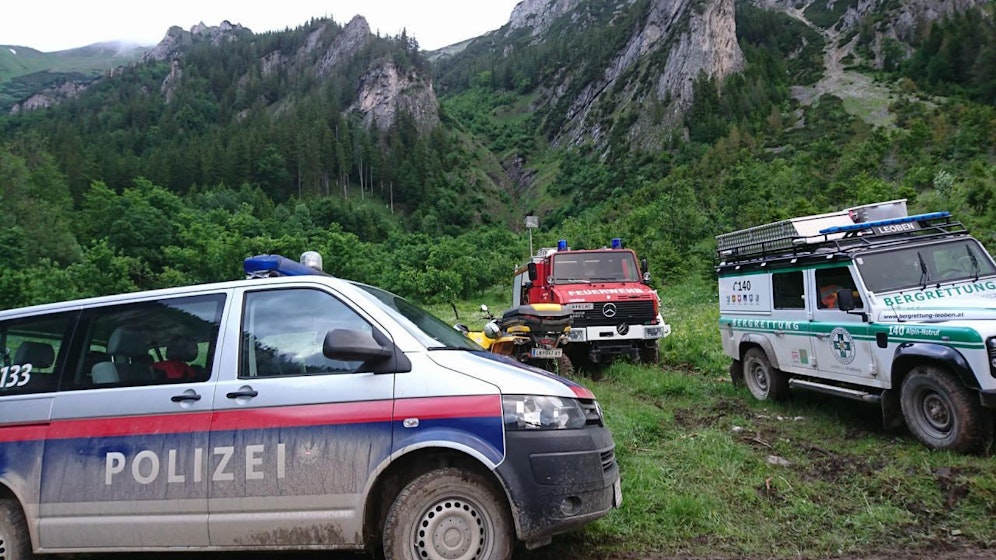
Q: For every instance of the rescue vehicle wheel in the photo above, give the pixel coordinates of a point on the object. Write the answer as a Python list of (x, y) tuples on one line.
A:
[(762, 380), (14, 541), (943, 413), (448, 514)]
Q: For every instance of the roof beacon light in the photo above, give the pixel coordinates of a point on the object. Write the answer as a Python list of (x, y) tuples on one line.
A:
[(881, 223), (562, 245), (264, 266), (312, 259), (617, 242)]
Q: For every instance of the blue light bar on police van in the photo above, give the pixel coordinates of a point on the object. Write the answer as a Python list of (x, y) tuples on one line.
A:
[(276, 265), (884, 223)]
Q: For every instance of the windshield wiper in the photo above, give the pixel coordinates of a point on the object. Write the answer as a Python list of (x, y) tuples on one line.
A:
[(975, 263), (924, 276)]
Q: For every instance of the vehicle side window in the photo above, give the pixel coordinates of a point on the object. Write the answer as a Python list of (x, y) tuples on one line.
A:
[(283, 333), (831, 280), (31, 353), (148, 343), (788, 290)]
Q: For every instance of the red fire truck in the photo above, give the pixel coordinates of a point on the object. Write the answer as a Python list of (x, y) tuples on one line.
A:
[(615, 312)]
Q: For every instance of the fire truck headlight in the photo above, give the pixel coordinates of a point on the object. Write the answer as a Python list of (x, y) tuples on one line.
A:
[(653, 332), (576, 335), (534, 412)]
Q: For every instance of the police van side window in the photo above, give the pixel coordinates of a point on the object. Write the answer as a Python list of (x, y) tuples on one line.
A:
[(788, 290), (146, 343), (283, 332), (32, 352)]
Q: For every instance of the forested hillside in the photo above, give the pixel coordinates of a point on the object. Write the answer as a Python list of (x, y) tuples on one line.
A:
[(121, 189)]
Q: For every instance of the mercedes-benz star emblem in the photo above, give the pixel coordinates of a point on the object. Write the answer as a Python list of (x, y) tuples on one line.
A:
[(609, 310)]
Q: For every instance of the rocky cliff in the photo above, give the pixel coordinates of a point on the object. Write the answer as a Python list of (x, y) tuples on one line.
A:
[(647, 82)]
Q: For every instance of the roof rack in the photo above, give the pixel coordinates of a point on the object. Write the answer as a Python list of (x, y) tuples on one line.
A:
[(836, 232)]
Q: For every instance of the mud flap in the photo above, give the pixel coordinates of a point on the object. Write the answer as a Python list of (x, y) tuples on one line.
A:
[(737, 373), (892, 413)]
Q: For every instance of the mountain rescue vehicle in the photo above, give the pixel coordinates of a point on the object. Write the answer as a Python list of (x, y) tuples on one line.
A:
[(872, 304)]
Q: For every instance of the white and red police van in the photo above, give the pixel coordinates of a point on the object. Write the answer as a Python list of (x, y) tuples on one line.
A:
[(298, 411)]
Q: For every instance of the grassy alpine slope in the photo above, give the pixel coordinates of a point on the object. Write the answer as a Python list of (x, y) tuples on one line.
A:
[(710, 472)]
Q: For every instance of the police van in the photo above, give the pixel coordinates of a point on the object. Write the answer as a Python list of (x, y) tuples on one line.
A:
[(290, 410), (872, 304)]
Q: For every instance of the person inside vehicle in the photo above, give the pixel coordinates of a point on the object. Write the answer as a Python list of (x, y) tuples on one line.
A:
[(179, 352), (831, 281)]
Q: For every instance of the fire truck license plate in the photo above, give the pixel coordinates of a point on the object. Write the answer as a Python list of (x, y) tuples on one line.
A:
[(546, 353)]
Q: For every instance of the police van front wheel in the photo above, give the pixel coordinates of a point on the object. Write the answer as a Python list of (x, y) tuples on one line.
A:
[(448, 513), (762, 380), (14, 542), (943, 413)]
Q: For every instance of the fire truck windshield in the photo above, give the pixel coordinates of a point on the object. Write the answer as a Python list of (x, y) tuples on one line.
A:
[(594, 266)]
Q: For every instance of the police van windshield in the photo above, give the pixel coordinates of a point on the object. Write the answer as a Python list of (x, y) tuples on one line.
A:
[(431, 331), (597, 266), (924, 265)]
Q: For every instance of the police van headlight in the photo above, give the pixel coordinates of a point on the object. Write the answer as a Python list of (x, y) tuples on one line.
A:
[(533, 412)]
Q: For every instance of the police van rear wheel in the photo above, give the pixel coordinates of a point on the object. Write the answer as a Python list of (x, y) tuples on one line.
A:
[(448, 514), (762, 380), (942, 413), (14, 542)]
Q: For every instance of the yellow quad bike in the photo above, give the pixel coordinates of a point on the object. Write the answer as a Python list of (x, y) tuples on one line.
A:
[(534, 334)]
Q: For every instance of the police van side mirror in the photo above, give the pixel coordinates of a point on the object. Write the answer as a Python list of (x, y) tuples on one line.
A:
[(353, 346), (845, 300), (376, 351)]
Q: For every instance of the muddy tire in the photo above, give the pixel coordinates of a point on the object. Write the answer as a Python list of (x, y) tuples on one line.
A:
[(762, 380), (14, 541), (942, 413), (564, 366), (448, 514)]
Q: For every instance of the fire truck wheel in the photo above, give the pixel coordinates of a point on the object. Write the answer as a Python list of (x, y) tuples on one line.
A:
[(448, 513), (762, 380), (650, 355), (943, 413), (14, 542)]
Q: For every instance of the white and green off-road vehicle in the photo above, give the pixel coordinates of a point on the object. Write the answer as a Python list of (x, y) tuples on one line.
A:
[(870, 304)]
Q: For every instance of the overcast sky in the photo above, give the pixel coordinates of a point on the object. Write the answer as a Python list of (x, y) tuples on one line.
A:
[(53, 25)]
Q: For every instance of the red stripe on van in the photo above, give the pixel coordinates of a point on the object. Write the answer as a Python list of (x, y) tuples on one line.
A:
[(25, 432), (446, 407), (582, 392), (260, 418), (306, 415)]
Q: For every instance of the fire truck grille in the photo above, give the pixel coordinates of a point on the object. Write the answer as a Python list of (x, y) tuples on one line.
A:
[(629, 312)]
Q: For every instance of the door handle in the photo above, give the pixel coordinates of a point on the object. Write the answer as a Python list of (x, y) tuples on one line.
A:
[(242, 393), (185, 397)]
